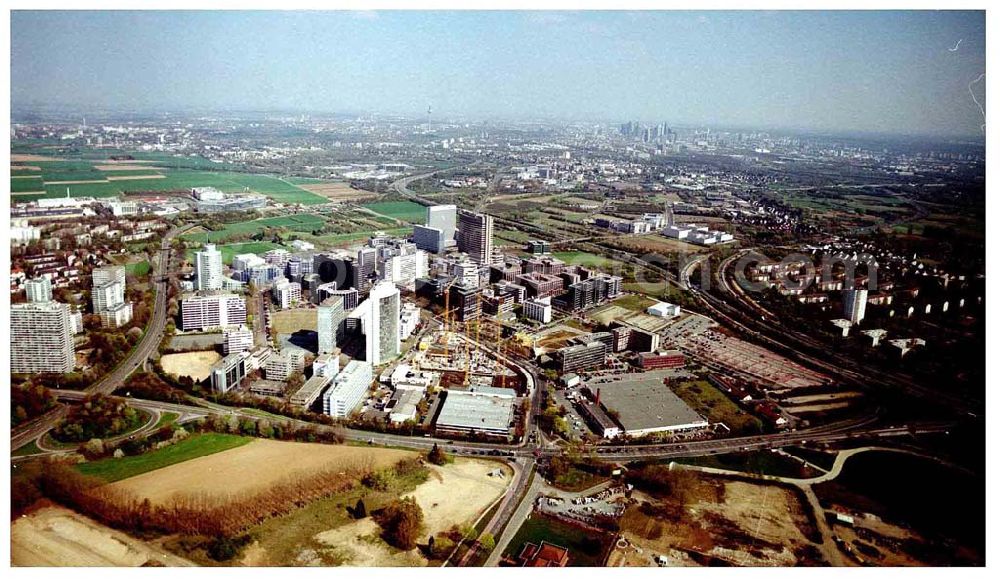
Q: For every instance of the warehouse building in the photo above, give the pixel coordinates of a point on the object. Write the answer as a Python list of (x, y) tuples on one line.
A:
[(644, 404), (480, 411)]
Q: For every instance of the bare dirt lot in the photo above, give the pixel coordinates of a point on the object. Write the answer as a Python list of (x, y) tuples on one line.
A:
[(154, 176), (457, 493), (19, 157), (358, 545), (196, 364), (58, 537), (253, 468), (731, 521), (338, 191)]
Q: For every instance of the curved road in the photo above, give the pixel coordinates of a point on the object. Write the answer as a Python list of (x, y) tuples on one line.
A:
[(137, 358)]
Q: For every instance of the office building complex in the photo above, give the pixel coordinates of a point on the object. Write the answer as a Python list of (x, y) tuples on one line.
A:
[(442, 218), (585, 356), (350, 387), (538, 310), (229, 371)]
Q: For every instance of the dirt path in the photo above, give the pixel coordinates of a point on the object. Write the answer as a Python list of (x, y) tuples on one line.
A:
[(58, 537)]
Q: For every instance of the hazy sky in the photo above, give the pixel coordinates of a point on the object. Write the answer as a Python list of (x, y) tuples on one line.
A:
[(870, 71)]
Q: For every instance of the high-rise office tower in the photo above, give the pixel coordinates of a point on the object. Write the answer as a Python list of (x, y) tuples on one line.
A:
[(855, 301), (381, 323), (41, 338), (475, 236), (365, 268), (329, 322), (39, 290), (442, 218), (208, 268)]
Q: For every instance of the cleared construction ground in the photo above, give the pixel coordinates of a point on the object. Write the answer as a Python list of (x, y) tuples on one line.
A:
[(58, 537), (195, 364)]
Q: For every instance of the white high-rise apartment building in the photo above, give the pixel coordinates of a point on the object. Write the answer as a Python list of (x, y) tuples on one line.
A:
[(208, 268), (381, 323), (39, 290), (107, 296), (41, 338), (213, 311), (286, 294), (106, 274)]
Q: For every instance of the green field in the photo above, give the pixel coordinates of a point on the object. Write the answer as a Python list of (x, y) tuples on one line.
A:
[(273, 187), (230, 250), (295, 223), (402, 210), (138, 268), (712, 404), (513, 236), (638, 303), (585, 259), (195, 446), (351, 237), (587, 548), (167, 418)]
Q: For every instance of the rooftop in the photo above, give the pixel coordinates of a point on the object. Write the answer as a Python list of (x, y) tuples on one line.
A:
[(476, 411), (644, 403)]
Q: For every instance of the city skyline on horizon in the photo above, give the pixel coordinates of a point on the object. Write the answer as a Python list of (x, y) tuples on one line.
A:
[(800, 82)]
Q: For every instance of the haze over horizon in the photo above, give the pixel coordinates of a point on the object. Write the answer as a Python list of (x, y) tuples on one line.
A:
[(884, 72)]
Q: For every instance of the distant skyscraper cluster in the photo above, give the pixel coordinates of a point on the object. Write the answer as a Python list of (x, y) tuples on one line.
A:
[(647, 134)]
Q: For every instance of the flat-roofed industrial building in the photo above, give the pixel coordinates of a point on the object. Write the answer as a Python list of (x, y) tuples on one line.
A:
[(645, 404), (486, 411)]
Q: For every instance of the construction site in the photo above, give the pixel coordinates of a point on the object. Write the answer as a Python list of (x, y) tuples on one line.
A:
[(461, 362)]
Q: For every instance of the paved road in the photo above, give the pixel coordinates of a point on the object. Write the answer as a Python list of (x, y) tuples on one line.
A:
[(507, 521), (137, 358)]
